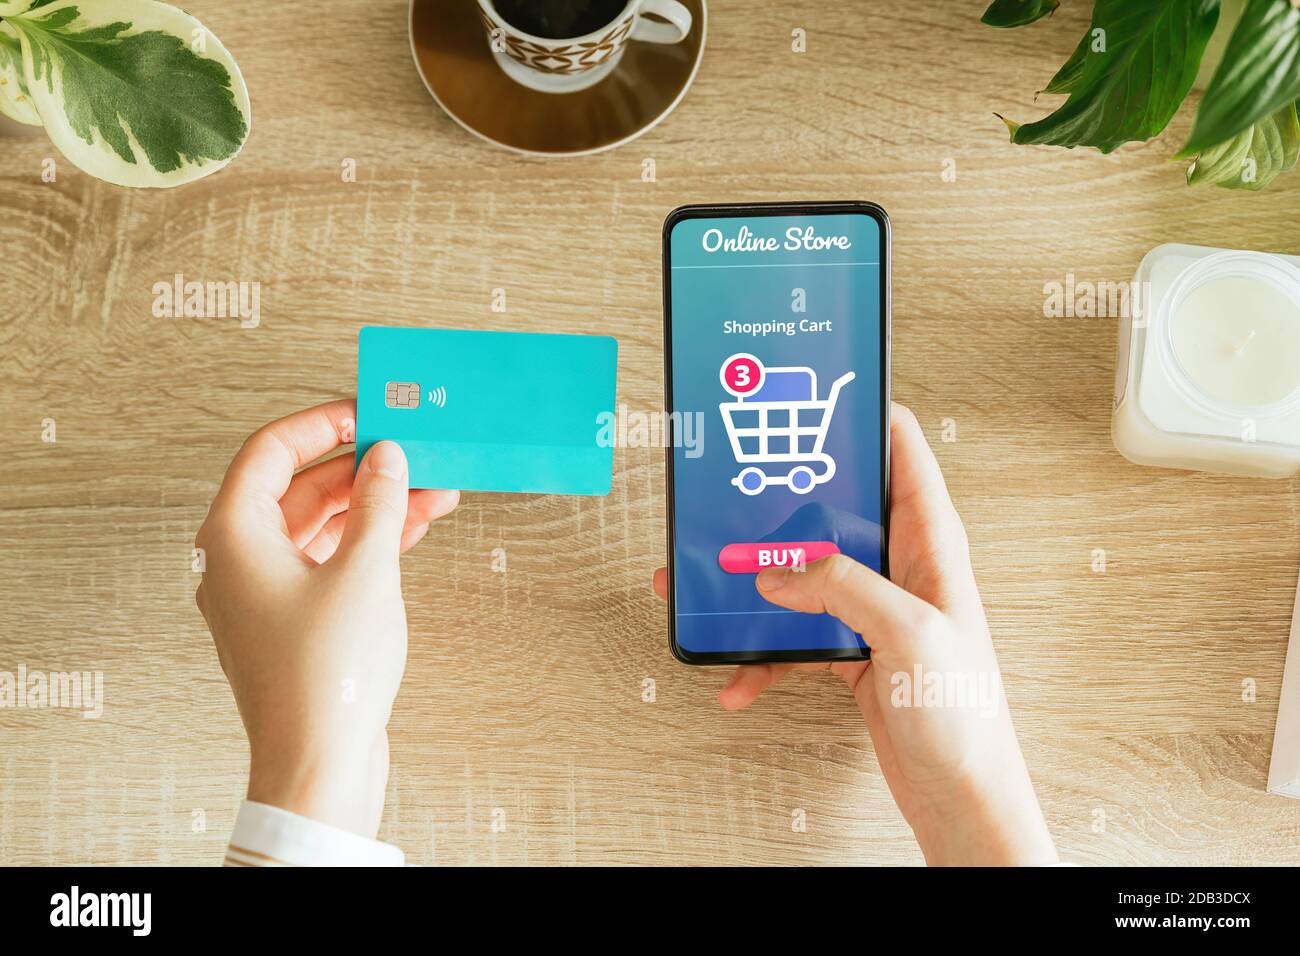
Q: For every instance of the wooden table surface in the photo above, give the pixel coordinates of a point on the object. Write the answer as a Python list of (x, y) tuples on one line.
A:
[(522, 703)]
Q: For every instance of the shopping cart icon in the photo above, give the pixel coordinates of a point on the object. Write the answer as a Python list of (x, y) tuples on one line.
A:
[(778, 421)]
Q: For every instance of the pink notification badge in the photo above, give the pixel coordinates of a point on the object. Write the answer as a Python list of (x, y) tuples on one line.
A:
[(742, 374)]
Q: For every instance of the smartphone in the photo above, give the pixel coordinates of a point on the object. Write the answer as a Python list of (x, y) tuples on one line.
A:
[(776, 347)]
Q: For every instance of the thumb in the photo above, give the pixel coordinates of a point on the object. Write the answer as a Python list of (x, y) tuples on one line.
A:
[(377, 509), (874, 607)]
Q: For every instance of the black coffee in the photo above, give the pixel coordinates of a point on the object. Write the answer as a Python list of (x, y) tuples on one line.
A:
[(558, 19)]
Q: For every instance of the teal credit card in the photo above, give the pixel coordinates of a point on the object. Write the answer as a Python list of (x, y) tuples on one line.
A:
[(490, 411)]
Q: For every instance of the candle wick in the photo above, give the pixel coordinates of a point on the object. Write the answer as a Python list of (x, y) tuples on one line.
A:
[(1242, 347)]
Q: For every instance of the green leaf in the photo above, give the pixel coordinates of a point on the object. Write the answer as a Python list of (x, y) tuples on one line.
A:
[(1259, 74), (1071, 71), (11, 8), (135, 92), (1017, 13), (15, 101), (1129, 75), (1254, 157)]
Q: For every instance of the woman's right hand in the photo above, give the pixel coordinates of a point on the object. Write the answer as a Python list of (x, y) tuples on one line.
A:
[(931, 694)]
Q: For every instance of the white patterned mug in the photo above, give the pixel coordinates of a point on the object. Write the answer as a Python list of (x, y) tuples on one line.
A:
[(574, 63)]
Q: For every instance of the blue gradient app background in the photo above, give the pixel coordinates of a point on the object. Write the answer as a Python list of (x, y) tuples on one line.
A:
[(722, 612)]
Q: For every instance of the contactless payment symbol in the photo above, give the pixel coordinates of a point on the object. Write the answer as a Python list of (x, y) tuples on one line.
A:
[(777, 421)]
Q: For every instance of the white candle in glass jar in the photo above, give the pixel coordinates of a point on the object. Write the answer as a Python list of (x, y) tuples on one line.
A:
[(1238, 340), (1209, 369)]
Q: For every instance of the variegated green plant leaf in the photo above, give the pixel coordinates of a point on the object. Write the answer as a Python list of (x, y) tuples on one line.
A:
[(135, 92), (1254, 157), (15, 101)]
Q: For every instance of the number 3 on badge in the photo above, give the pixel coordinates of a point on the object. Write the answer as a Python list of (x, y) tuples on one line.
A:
[(742, 374)]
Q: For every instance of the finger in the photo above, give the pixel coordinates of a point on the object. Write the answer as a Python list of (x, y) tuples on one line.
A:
[(748, 681), (924, 521), (429, 504), (916, 481), (316, 495), (322, 547), (660, 583), (873, 607), (264, 466), (411, 536), (377, 509), (423, 505)]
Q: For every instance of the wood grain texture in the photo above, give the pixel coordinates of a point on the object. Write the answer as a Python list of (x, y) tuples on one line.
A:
[(523, 690)]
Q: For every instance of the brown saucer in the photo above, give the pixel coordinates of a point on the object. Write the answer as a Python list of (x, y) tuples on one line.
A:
[(451, 52)]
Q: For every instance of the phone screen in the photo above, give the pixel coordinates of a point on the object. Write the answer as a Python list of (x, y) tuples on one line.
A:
[(777, 366)]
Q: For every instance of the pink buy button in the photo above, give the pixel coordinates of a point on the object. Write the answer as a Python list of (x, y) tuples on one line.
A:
[(752, 558)]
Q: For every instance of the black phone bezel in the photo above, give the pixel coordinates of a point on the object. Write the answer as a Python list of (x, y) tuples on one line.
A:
[(701, 211)]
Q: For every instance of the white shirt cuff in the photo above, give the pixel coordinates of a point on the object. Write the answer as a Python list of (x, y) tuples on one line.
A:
[(268, 836)]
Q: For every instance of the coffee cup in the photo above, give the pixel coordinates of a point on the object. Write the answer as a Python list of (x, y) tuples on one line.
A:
[(566, 64)]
